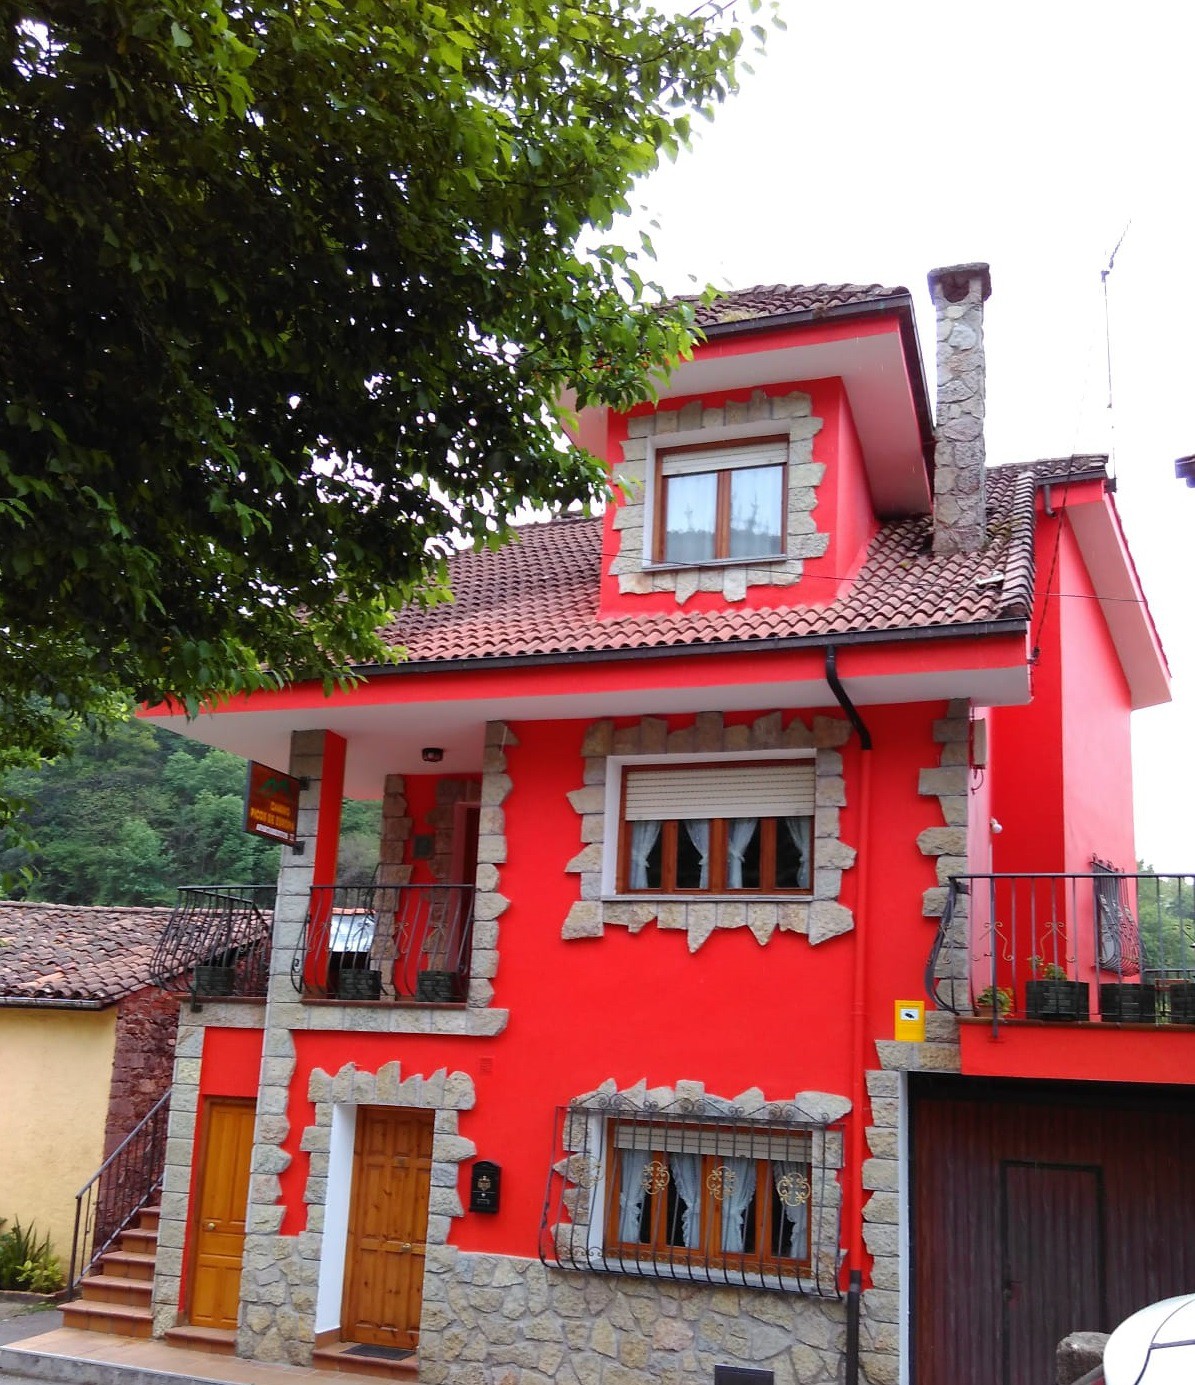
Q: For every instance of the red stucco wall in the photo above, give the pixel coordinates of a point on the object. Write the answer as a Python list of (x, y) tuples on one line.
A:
[(733, 1015)]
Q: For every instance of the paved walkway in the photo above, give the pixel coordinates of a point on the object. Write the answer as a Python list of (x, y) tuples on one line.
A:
[(72, 1357)]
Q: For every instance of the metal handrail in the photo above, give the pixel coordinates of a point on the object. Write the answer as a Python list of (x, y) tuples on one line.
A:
[(386, 942), (122, 1185), (1101, 928), (217, 941)]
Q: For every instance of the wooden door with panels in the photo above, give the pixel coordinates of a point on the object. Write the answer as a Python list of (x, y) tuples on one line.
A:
[(387, 1239), (222, 1196)]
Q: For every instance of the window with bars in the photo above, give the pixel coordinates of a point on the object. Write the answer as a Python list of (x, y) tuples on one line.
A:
[(709, 1196), (696, 1189), (717, 828), (721, 503)]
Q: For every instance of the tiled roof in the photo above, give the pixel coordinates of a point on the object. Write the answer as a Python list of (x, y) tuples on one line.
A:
[(779, 300), (539, 595), (1082, 466), (75, 953)]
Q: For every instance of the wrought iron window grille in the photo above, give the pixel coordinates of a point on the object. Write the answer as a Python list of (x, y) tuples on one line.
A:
[(701, 1190)]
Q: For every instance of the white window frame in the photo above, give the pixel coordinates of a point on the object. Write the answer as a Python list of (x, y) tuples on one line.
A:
[(616, 767), (757, 431)]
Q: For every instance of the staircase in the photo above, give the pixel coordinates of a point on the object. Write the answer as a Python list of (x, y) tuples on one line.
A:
[(115, 1294)]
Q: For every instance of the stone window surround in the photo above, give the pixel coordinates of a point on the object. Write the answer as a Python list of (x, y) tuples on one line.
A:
[(763, 415), (688, 1101), (818, 917)]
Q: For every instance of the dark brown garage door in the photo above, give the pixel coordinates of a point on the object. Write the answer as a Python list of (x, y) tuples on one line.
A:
[(1038, 1210)]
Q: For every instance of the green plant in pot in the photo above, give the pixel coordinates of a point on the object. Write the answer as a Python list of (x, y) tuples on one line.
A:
[(1051, 996), (993, 1000)]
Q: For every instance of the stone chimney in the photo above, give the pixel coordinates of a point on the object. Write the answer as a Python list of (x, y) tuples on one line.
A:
[(958, 293)]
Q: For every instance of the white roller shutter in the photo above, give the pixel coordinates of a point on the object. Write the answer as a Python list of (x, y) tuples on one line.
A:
[(726, 458), (704, 1139), (720, 791)]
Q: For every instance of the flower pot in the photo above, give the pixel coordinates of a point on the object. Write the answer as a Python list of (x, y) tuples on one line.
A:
[(214, 981), (359, 984), (1180, 1002), (1057, 1000), (1126, 1004), (436, 985)]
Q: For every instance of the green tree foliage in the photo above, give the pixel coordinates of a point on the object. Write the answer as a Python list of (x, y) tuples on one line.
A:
[(1166, 918), (132, 815), (289, 291)]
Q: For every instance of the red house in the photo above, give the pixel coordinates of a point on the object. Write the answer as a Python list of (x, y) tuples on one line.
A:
[(618, 1072)]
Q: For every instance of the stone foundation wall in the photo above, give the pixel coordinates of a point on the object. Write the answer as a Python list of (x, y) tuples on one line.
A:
[(498, 1320)]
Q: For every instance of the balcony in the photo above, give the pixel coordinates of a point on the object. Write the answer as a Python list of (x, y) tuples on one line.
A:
[(386, 943), (1099, 948), (216, 944)]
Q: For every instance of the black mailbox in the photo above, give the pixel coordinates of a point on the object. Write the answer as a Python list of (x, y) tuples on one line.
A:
[(484, 1184), (739, 1375)]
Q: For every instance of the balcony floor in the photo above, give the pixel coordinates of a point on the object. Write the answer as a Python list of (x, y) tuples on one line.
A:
[(1082, 1052)]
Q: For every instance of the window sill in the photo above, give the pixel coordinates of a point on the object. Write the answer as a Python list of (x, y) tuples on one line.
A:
[(764, 560), (740, 897)]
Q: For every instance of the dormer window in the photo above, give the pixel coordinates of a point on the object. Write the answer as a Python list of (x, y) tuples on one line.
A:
[(724, 503)]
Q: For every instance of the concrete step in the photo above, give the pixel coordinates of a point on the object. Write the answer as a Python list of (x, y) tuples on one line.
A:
[(139, 1239), (112, 1288), (213, 1340), (117, 1319), (334, 1356), (127, 1264)]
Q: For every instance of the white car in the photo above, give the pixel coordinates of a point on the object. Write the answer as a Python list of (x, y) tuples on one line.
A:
[(1155, 1346)]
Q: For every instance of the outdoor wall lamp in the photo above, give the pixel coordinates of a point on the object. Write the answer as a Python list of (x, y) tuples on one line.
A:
[(432, 754)]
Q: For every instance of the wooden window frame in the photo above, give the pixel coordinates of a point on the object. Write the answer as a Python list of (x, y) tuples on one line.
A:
[(722, 505), (708, 1252), (669, 831)]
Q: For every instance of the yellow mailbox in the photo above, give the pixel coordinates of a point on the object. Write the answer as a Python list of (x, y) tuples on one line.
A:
[(910, 1021)]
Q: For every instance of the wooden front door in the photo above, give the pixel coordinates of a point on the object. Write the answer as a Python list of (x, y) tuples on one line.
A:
[(387, 1241), (226, 1146)]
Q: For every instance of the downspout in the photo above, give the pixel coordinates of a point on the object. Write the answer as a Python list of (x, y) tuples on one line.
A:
[(855, 1247)]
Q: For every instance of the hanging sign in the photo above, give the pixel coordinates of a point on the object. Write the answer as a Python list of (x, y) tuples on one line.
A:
[(272, 804)]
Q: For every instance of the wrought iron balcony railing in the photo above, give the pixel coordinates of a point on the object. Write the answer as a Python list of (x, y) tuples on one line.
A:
[(1102, 945), (386, 943), (217, 942)]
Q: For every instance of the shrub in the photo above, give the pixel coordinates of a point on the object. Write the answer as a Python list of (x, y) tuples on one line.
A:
[(27, 1263)]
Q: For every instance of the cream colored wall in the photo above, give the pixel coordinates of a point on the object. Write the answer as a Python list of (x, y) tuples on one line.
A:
[(55, 1072)]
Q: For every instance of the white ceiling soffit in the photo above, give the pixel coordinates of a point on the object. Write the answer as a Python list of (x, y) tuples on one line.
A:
[(386, 737), (1109, 565)]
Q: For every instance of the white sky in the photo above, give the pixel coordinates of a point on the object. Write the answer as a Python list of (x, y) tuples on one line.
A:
[(876, 141)]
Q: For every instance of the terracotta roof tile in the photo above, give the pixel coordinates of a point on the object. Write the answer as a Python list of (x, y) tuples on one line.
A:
[(74, 952), (780, 300), (539, 595)]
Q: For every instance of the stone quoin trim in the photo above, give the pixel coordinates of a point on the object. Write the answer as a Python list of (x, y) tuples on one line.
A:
[(950, 783), (734, 422), (818, 918), (279, 1282), (182, 1136)]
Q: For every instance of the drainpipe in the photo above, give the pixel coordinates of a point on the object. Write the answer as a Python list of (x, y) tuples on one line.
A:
[(855, 1247)]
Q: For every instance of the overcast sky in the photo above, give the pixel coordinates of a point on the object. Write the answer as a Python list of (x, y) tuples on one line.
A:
[(876, 141)]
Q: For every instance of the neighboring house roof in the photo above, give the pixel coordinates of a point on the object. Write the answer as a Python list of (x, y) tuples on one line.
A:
[(75, 954), (787, 300), (538, 596)]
